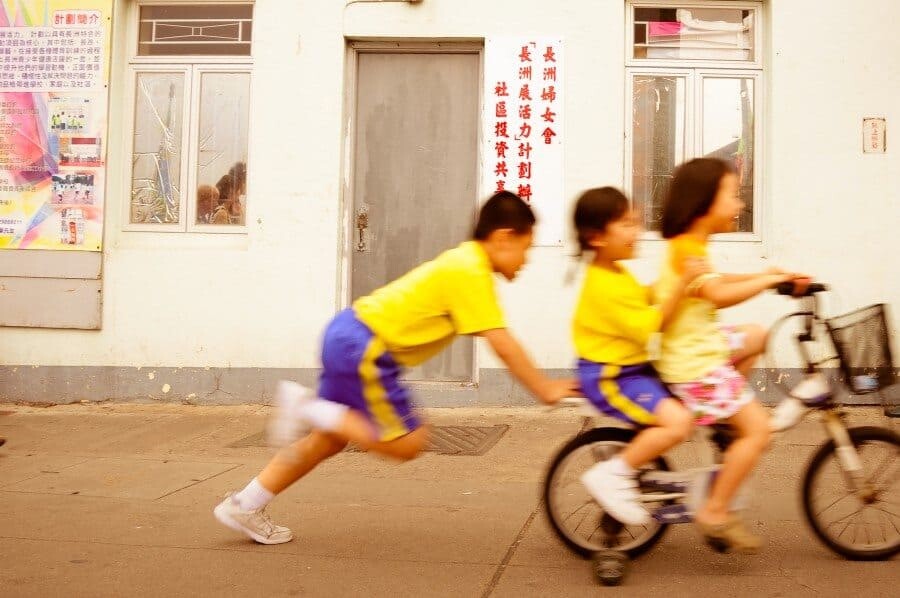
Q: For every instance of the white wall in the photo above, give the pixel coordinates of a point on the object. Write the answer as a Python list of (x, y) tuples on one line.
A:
[(835, 210), (261, 299)]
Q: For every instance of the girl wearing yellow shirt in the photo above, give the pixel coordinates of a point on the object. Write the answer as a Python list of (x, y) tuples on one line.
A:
[(704, 363), (613, 322)]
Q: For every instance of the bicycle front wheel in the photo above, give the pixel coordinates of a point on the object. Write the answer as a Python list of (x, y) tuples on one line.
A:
[(861, 525)]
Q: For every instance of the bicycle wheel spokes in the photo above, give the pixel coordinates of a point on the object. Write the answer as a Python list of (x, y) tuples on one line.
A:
[(884, 474), (604, 451), (867, 520)]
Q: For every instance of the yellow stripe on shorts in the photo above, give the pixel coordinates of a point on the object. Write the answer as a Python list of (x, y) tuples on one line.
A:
[(376, 395), (610, 389)]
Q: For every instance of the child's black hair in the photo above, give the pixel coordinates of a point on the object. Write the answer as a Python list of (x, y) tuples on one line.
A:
[(691, 193), (594, 210), (504, 210)]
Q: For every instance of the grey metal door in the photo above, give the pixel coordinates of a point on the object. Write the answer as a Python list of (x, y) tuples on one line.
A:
[(414, 173)]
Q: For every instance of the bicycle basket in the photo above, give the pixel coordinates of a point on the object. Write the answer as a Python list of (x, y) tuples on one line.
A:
[(863, 345)]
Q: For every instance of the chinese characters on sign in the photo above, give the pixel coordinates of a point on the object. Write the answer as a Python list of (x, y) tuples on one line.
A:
[(523, 103), (54, 57), (874, 133), (48, 59)]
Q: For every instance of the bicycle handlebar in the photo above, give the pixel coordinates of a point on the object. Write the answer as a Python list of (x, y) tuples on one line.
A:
[(793, 288), (807, 292)]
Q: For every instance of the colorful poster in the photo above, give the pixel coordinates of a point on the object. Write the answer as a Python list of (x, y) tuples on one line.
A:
[(523, 127), (54, 69)]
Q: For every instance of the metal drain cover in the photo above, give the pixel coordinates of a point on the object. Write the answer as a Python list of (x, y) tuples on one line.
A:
[(469, 441), (257, 439)]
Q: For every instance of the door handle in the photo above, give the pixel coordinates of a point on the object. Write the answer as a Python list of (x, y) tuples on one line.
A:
[(362, 224)]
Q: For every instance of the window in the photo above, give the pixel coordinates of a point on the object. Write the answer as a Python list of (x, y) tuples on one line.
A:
[(191, 80), (694, 75)]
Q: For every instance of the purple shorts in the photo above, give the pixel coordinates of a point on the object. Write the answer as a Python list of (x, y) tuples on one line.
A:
[(358, 371), (630, 393)]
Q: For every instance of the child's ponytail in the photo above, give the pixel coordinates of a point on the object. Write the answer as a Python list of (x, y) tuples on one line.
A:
[(594, 210)]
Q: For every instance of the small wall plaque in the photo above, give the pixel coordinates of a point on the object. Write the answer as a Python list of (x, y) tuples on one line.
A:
[(874, 133)]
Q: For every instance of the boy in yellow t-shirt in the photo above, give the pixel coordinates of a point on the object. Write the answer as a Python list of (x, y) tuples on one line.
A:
[(360, 397)]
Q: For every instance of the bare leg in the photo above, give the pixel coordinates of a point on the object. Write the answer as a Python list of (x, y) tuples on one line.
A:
[(754, 345), (674, 426), (295, 461), (356, 428), (752, 426)]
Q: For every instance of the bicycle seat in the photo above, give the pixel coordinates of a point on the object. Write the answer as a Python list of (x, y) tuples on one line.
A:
[(588, 409), (722, 435)]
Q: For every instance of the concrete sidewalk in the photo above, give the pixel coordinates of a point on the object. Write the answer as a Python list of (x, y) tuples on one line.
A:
[(116, 500)]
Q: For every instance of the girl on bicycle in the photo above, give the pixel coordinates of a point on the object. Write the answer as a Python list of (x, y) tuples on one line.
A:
[(703, 363), (613, 322)]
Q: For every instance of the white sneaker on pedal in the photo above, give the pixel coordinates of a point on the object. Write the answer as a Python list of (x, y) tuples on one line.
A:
[(287, 423), (255, 524), (787, 414), (617, 494), (813, 390)]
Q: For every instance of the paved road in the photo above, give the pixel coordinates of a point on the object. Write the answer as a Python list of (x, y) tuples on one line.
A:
[(115, 500)]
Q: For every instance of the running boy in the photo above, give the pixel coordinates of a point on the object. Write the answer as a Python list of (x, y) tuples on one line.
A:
[(360, 397), (613, 322)]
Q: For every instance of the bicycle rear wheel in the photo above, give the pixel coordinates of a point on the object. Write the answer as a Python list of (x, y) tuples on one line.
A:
[(575, 516), (859, 528)]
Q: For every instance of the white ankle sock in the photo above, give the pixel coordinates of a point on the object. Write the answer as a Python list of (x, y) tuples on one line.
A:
[(322, 414), (618, 466), (254, 496)]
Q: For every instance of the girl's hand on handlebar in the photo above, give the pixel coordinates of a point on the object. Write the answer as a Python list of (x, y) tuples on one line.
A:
[(788, 276)]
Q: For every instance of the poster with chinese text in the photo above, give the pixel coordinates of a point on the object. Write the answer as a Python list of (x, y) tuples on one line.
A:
[(54, 63), (523, 127)]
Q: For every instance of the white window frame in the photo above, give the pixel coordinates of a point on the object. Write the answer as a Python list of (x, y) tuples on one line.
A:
[(695, 71), (759, 25), (193, 68)]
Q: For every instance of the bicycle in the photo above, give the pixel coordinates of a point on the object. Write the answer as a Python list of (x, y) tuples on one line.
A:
[(672, 497), (860, 344)]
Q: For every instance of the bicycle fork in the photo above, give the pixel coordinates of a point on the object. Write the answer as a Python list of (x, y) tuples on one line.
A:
[(847, 455)]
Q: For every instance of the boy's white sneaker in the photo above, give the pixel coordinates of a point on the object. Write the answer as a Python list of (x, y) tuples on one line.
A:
[(255, 524), (617, 494), (287, 423)]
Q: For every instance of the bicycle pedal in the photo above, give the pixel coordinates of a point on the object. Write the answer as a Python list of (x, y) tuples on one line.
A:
[(672, 514), (668, 481), (649, 485)]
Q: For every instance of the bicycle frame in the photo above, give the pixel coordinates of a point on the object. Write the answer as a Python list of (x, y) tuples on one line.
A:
[(832, 414)]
